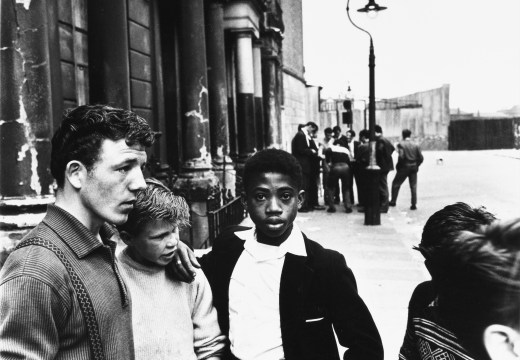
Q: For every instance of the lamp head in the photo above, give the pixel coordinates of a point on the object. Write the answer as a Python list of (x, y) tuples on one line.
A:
[(372, 8)]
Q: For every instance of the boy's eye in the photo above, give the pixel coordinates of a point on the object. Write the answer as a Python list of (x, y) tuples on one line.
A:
[(260, 197), (286, 196)]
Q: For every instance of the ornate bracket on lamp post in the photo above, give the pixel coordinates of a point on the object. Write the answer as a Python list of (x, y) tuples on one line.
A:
[(372, 212)]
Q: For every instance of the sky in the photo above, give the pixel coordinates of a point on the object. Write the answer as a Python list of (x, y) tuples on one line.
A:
[(473, 45)]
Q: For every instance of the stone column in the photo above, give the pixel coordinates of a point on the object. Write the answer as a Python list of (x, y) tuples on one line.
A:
[(231, 94), (258, 96), (196, 177), (245, 96), (108, 53), (30, 100), (272, 106), (217, 93)]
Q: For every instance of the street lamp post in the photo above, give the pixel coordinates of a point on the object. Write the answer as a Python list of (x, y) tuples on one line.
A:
[(372, 210)]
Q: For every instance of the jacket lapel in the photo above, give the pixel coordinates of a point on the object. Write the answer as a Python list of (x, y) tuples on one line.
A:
[(224, 268), (295, 283)]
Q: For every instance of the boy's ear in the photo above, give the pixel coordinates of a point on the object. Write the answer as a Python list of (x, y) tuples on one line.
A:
[(75, 173), (301, 198), (502, 342), (127, 239)]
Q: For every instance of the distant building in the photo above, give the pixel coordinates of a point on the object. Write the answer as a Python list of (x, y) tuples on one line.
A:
[(468, 131), (425, 113)]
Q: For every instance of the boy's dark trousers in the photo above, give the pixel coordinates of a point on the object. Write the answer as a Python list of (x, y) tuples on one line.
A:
[(383, 191), (404, 172), (340, 171)]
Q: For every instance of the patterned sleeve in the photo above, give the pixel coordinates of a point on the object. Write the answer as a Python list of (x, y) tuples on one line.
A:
[(409, 348)]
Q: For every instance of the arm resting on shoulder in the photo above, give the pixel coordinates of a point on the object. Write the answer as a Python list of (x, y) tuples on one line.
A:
[(184, 264)]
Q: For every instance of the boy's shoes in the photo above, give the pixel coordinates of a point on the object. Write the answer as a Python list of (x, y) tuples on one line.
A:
[(348, 210), (413, 207), (304, 210), (383, 210), (391, 203), (361, 209), (331, 210), (319, 207)]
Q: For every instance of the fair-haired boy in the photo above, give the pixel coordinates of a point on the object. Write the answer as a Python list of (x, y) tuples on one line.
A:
[(278, 294), (171, 319)]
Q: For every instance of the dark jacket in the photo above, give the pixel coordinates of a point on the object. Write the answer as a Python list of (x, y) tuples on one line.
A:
[(308, 159), (319, 285), (410, 154), (384, 150)]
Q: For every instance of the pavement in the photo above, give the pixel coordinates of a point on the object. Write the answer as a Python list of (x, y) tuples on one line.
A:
[(386, 267)]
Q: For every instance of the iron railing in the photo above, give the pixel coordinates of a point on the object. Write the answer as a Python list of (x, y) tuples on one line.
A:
[(231, 213)]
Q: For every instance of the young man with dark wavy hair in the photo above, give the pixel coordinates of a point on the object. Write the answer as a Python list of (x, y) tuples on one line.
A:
[(61, 293)]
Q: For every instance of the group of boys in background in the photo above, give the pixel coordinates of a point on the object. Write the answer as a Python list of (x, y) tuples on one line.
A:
[(265, 291), (342, 160)]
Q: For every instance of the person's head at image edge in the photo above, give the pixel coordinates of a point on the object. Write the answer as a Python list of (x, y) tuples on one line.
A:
[(272, 195), (441, 230), (482, 296), (152, 230), (98, 154)]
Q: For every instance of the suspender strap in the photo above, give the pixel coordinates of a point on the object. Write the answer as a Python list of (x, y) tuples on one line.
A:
[(85, 303)]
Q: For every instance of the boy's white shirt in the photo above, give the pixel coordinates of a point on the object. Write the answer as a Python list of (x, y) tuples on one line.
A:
[(254, 292)]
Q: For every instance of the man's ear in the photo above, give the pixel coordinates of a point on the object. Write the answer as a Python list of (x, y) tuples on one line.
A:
[(127, 239), (502, 342), (301, 198), (75, 173)]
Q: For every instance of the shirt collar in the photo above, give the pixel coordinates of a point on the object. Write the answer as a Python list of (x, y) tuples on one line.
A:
[(294, 244), (80, 239)]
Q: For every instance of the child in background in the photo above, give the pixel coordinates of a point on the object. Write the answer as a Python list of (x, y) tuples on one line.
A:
[(170, 319)]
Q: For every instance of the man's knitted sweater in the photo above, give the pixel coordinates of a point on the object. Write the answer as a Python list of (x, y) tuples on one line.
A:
[(171, 319), (40, 314)]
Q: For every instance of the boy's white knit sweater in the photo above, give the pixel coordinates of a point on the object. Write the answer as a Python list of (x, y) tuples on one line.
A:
[(171, 319)]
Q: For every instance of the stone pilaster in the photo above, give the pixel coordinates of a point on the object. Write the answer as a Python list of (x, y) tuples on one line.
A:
[(258, 96), (245, 96), (218, 94), (108, 53), (196, 177), (30, 79)]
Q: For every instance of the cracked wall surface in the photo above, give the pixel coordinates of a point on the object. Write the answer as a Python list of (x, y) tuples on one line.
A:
[(25, 107), (197, 124)]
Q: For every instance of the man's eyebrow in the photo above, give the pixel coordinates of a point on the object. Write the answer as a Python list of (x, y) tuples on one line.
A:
[(129, 160)]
